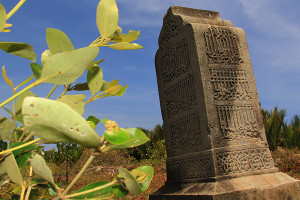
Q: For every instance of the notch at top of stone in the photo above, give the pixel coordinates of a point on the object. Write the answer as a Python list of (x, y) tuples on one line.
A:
[(191, 15)]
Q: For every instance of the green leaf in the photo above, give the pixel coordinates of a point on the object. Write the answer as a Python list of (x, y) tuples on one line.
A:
[(136, 138), (12, 169), (20, 100), (7, 80), (58, 41), (8, 111), (125, 46), (22, 150), (25, 81), (116, 136), (3, 145), (6, 126), (94, 79), (64, 68), (19, 49), (130, 182), (104, 85), (74, 101), (107, 17), (79, 87), (129, 37), (149, 171), (104, 121), (121, 91), (23, 160), (2, 17), (119, 191), (113, 83), (97, 62), (56, 122), (36, 70), (46, 55), (95, 193), (93, 119), (41, 168)]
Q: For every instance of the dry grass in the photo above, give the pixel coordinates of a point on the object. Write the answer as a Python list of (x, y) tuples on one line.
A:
[(105, 168)]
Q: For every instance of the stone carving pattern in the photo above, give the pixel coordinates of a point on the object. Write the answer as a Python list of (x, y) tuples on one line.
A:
[(244, 161), (181, 97), (174, 62), (185, 133), (191, 168), (222, 46), (229, 84), (238, 122), (169, 31)]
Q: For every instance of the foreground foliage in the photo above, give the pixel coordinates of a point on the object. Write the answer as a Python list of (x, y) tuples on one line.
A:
[(23, 170)]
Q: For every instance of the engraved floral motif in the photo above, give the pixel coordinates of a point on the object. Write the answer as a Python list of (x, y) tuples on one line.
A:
[(244, 161)]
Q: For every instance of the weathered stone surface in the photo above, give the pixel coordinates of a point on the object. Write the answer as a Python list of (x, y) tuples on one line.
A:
[(215, 137)]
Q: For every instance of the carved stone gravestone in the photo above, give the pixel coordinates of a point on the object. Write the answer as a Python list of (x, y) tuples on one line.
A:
[(215, 137)]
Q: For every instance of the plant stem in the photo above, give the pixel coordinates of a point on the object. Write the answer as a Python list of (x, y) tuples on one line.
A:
[(88, 162), (21, 92), (95, 41), (15, 9), (22, 192), (29, 184), (65, 91), (92, 190), (19, 147), (55, 86)]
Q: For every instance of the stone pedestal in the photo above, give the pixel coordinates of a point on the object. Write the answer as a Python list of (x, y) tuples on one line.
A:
[(215, 137)]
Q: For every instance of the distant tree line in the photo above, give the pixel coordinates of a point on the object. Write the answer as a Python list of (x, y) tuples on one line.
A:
[(278, 131)]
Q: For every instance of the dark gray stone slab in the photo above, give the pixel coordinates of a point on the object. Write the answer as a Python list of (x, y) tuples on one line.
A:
[(214, 130)]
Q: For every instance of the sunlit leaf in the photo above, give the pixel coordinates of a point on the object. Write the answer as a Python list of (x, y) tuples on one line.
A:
[(64, 68), (57, 122), (116, 136), (36, 70), (12, 169), (130, 182), (107, 17), (121, 91), (19, 49), (149, 171), (129, 37), (46, 55), (41, 168), (97, 62), (6, 126), (74, 101), (94, 79), (8, 111), (25, 81), (113, 83), (95, 193), (125, 46), (58, 41), (7, 80), (136, 138), (20, 100), (2, 17)]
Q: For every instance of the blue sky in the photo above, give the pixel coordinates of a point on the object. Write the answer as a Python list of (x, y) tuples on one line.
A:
[(272, 28)]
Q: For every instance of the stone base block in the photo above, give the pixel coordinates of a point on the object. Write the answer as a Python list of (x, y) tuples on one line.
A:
[(272, 186)]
